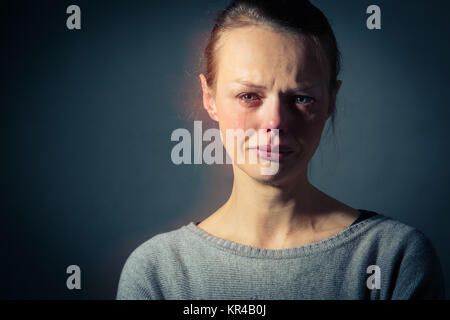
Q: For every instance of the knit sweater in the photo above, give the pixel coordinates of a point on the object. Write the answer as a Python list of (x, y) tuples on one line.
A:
[(374, 258)]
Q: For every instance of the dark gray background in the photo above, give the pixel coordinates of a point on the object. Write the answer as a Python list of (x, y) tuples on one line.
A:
[(87, 117)]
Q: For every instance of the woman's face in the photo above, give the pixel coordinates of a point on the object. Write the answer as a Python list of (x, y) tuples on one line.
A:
[(273, 83)]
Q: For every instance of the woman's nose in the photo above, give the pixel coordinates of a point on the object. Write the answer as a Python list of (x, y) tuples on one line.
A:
[(272, 115)]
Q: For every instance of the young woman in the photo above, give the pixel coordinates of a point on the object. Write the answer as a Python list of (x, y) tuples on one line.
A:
[(272, 66)]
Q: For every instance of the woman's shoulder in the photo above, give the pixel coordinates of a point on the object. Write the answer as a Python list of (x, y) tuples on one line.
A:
[(391, 230), (406, 256), (401, 244), (158, 245), (139, 278)]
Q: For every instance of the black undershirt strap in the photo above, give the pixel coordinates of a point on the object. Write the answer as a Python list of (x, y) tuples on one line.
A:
[(364, 214)]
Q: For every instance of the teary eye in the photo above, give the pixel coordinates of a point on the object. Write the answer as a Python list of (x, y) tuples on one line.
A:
[(248, 97)]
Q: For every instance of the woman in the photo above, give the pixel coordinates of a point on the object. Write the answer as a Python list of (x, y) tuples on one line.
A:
[(272, 67)]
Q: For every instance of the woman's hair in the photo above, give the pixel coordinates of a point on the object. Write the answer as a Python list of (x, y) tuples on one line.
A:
[(298, 17)]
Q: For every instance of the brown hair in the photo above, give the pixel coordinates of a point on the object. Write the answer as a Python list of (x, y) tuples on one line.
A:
[(298, 17)]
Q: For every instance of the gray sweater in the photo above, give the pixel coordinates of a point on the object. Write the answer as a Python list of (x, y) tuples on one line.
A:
[(377, 258)]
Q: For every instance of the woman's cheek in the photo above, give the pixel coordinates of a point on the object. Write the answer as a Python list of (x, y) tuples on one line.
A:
[(233, 119), (314, 131), (232, 123)]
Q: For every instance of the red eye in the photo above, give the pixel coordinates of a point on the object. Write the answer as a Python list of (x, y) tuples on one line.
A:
[(248, 97)]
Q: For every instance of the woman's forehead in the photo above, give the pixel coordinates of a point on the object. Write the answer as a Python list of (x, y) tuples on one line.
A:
[(264, 56)]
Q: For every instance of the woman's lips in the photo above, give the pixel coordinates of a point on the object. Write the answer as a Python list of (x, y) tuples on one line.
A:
[(273, 153)]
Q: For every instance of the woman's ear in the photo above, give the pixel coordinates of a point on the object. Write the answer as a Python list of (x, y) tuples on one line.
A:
[(333, 97), (208, 100)]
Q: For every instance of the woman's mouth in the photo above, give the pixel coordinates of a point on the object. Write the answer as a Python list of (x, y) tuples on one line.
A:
[(273, 153)]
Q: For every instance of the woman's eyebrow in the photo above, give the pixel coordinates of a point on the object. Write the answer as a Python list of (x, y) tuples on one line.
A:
[(304, 87), (249, 84), (300, 87)]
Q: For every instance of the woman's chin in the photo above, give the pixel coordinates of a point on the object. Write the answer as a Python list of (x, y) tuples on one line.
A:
[(272, 173)]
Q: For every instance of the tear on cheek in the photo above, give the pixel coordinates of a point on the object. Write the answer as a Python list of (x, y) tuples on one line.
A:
[(239, 123)]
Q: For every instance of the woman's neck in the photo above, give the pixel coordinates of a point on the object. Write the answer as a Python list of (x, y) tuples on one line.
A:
[(262, 215), (261, 203)]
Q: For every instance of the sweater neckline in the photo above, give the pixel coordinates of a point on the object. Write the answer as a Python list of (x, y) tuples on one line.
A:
[(348, 234)]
